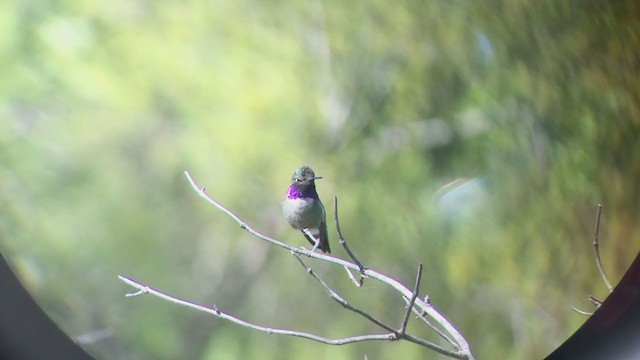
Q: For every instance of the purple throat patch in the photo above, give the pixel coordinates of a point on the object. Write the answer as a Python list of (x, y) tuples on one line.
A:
[(295, 193)]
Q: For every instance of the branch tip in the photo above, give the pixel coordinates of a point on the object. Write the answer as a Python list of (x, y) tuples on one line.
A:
[(139, 292), (342, 241), (357, 283), (416, 290), (594, 301), (581, 312)]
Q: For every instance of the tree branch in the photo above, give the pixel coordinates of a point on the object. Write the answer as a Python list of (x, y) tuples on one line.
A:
[(427, 309), (597, 303), (581, 312), (335, 296), (596, 249), (356, 282), (462, 350), (421, 316), (399, 334), (416, 289), (145, 289), (343, 242)]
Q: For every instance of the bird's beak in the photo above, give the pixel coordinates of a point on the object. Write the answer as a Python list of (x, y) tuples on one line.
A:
[(316, 178)]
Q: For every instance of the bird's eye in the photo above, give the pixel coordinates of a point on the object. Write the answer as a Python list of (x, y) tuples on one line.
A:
[(298, 180)]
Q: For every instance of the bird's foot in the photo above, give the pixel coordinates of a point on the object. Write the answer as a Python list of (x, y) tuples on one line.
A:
[(315, 247), (315, 240)]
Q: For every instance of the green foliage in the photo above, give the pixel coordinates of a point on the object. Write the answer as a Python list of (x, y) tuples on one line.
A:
[(475, 138)]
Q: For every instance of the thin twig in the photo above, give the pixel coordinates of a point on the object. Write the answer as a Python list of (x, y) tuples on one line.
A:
[(597, 303), (416, 290), (581, 311), (335, 296), (463, 346), (596, 248), (420, 315), (399, 334), (144, 289), (343, 242), (356, 282)]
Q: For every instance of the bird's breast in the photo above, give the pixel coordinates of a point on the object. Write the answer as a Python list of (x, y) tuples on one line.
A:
[(302, 212)]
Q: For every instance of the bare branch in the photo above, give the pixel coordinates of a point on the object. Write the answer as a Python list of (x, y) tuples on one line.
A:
[(144, 289), (416, 289), (357, 283), (400, 334), (343, 242), (596, 248), (421, 316), (335, 296), (581, 311), (463, 352), (597, 303)]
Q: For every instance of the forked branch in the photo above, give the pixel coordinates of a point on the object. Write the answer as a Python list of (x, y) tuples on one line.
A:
[(145, 289), (596, 249), (422, 307)]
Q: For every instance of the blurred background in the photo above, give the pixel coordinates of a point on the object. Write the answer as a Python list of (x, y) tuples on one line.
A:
[(476, 138)]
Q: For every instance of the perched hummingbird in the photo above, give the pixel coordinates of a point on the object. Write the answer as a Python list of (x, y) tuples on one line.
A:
[(303, 209)]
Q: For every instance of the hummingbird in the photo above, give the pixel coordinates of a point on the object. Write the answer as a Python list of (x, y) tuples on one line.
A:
[(303, 209)]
